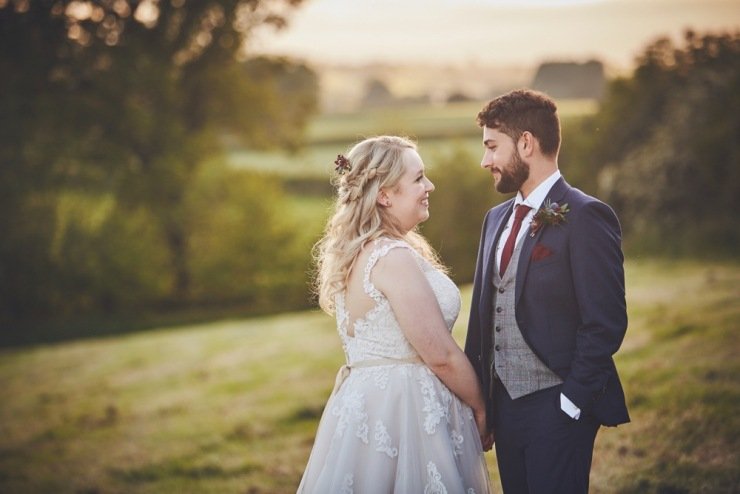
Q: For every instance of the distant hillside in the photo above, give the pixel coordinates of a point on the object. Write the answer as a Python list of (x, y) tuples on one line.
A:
[(345, 87), (570, 79)]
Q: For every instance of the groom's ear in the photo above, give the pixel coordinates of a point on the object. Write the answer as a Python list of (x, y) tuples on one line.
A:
[(527, 144)]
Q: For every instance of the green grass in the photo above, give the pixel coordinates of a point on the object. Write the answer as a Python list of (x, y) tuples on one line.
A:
[(435, 128), (232, 406)]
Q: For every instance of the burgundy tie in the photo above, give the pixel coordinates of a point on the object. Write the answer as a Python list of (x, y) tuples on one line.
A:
[(519, 214)]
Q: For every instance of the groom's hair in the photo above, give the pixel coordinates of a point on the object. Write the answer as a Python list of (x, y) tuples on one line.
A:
[(524, 110)]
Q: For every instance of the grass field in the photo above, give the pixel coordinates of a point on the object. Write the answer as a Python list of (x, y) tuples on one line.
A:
[(232, 406), (434, 128)]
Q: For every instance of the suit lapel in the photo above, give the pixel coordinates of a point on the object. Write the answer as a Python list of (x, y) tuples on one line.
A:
[(493, 234), (556, 194)]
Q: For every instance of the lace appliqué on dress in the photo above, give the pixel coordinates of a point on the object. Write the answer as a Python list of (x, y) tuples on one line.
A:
[(347, 484), (384, 440), (381, 374), (436, 407), (434, 484), (374, 256), (457, 442), (352, 408)]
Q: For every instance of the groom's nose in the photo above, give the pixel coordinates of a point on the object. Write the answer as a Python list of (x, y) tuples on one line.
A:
[(485, 162)]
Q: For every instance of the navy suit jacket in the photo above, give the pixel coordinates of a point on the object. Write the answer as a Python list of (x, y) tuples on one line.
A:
[(570, 303)]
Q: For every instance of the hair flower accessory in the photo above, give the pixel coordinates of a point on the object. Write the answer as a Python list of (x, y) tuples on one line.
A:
[(551, 213), (342, 164)]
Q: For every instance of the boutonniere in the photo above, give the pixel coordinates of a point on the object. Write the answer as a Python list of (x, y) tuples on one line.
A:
[(550, 213)]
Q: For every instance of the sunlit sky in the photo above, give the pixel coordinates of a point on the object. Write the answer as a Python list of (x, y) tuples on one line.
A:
[(500, 32)]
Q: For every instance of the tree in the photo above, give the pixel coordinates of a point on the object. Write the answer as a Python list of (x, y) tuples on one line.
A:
[(458, 207), (126, 99), (377, 94), (666, 139), (570, 79)]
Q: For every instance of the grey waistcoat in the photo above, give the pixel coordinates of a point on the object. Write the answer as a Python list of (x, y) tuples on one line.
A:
[(516, 365)]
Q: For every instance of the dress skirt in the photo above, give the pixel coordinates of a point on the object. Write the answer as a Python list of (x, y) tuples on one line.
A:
[(395, 429)]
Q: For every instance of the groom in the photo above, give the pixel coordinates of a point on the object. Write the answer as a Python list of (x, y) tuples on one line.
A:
[(548, 307)]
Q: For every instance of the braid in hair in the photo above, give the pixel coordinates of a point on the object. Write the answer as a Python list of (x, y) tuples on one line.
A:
[(351, 188)]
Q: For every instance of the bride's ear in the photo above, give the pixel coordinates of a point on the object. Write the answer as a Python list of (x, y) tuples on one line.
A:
[(383, 199)]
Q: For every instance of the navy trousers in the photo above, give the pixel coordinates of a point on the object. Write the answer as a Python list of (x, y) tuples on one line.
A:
[(540, 449)]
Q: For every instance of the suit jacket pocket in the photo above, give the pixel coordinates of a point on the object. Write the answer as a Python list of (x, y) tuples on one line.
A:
[(543, 257), (540, 252)]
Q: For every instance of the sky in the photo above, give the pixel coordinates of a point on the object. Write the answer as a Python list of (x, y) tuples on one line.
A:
[(490, 32)]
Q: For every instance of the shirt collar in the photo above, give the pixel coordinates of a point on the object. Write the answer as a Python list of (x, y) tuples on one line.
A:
[(535, 199)]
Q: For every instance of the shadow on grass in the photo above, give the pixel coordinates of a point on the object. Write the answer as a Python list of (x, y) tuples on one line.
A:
[(28, 333), (179, 468)]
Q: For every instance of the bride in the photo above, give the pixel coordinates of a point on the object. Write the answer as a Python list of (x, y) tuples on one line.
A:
[(407, 413)]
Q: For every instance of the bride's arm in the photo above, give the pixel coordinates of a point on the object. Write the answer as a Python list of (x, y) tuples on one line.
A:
[(401, 280)]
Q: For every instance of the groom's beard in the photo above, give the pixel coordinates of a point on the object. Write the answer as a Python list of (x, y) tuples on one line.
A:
[(513, 175)]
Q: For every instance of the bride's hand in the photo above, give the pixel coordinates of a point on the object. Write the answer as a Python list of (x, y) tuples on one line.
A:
[(487, 442), (486, 436)]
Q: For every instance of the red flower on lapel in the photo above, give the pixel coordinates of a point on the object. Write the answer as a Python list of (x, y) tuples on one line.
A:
[(540, 252)]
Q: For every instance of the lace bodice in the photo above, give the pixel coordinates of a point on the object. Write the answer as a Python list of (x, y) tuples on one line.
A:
[(377, 334)]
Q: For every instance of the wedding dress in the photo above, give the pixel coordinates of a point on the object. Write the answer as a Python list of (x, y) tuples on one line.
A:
[(391, 426)]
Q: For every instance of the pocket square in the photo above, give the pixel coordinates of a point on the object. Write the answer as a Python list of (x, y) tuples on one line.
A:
[(541, 252)]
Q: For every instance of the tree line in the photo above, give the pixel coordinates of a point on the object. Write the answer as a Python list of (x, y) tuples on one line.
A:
[(113, 115), (115, 196), (663, 149)]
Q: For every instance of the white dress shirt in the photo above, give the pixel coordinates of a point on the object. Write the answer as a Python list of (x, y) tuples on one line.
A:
[(534, 200)]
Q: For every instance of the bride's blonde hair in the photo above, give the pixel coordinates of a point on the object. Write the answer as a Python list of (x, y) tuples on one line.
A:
[(375, 163)]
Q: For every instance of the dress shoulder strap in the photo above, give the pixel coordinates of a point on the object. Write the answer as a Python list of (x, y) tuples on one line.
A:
[(381, 248)]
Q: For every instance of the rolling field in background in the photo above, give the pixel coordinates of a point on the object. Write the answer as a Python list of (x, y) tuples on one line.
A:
[(435, 128), (232, 406)]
